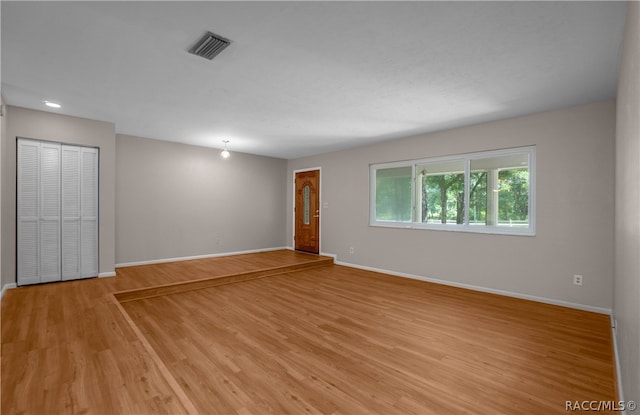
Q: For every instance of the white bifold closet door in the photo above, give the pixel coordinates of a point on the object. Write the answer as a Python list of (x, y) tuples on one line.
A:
[(57, 212)]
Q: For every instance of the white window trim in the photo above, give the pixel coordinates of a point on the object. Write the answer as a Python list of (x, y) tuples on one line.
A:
[(466, 227)]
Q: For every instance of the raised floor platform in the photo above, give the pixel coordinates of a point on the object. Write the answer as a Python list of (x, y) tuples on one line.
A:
[(73, 341), (298, 262)]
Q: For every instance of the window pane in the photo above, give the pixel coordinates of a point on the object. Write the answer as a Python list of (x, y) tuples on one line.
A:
[(501, 195), (442, 198), (478, 198), (306, 191), (393, 194), (513, 201)]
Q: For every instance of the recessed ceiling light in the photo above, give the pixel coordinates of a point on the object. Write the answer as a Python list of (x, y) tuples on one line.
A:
[(52, 104)]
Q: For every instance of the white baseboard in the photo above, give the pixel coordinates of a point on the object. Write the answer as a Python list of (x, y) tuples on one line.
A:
[(334, 256), (7, 287), (107, 274), (545, 300), (599, 310), (616, 357), (188, 258)]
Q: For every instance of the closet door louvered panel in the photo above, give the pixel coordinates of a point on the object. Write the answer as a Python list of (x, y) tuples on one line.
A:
[(71, 213), (28, 266), (49, 212), (89, 212), (57, 213)]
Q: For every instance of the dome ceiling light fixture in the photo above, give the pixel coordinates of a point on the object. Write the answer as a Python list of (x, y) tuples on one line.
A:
[(225, 153)]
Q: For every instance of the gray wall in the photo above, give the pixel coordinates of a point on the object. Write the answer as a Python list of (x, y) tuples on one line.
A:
[(575, 191), (626, 298), (22, 122), (3, 135), (175, 200)]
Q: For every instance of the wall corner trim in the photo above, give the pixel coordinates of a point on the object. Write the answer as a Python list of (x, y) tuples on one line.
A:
[(7, 287), (616, 358), (584, 307), (107, 274)]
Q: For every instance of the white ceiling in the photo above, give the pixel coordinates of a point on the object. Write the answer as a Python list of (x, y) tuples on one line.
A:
[(304, 78)]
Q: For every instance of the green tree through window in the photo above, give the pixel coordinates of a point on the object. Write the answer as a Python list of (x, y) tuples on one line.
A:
[(513, 204)]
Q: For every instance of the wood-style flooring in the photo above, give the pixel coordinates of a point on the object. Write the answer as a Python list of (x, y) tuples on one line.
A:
[(324, 340)]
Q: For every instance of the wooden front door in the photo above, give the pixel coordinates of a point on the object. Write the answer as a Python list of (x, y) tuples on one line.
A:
[(307, 211)]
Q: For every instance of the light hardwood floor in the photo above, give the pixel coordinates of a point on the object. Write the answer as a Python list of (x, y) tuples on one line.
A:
[(67, 348), (324, 340)]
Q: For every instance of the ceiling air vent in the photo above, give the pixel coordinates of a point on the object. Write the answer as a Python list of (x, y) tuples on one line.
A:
[(209, 45)]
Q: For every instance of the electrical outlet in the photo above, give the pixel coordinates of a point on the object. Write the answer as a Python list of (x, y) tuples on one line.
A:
[(352, 250), (577, 280)]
